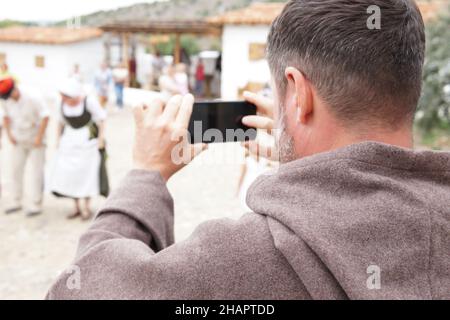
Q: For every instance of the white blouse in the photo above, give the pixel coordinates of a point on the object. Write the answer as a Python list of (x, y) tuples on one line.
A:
[(92, 105)]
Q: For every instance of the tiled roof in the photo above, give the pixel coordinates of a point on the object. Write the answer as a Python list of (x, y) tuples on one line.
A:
[(265, 13), (431, 9), (47, 35)]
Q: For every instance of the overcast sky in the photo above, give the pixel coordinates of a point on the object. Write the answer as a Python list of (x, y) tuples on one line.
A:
[(54, 10)]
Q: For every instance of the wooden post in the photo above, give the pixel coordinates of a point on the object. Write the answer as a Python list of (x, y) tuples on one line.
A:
[(107, 48), (177, 49)]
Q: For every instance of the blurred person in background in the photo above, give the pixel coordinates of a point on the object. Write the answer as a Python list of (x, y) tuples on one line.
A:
[(200, 79), (254, 165), (182, 78), (4, 70), (103, 78), (120, 75), (168, 83), (132, 72), (26, 117), (158, 66), (4, 73), (251, 169), (1, 121), (1, 129), (185, 58), (76, 73), (219, 64), (79, 170)]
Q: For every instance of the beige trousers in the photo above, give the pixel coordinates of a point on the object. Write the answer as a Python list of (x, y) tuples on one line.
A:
[(20, 156)]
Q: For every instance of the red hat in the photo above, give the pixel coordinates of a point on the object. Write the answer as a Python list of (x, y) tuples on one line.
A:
[(6, 87)]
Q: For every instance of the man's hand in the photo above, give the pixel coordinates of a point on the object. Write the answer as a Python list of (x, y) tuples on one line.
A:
[(161, 133), (265, 106), (263, 121)]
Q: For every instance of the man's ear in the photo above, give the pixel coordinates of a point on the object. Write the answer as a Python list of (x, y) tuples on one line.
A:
[(299, 94)]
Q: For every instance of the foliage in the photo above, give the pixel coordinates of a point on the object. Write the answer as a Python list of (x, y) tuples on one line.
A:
[(434, 109), (9, 23), (189, 43)]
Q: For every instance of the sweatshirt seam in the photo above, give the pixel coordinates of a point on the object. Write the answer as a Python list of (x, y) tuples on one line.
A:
[(149, 226), (430, 244), (368, 163), (281, 253)]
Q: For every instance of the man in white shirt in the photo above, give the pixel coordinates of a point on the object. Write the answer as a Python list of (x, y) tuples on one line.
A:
[(1, 129), (25, 120), (121, 77), (1, 123)]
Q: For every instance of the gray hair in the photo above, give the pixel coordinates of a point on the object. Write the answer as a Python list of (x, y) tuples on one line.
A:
[(366, 76)]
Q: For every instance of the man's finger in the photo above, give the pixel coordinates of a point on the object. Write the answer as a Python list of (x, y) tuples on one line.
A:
[(258, 122), (138, 113), (153, 110), (185, 112), (172, 109), (258, 150), (264, 105)]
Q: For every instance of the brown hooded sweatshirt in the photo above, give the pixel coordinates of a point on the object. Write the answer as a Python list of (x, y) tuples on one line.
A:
[(369, 221)]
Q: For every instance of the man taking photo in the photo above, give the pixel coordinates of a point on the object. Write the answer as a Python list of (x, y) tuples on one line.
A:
[(352, 213)]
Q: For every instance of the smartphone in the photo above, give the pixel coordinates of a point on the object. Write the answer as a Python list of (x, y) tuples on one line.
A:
[(221, 121)]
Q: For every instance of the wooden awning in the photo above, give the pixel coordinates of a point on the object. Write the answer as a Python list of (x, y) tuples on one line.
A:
[(163, 27)]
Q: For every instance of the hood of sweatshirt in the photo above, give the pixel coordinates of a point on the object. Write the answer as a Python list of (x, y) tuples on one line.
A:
[(369, 221)]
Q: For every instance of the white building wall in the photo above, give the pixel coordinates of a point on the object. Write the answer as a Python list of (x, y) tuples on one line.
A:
[(237, 69), (59, 62)]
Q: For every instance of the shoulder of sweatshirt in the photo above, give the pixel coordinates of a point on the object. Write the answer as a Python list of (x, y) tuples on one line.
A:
[(223, 259)]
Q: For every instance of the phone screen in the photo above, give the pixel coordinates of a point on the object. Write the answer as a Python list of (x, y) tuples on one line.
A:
[(217, 122)]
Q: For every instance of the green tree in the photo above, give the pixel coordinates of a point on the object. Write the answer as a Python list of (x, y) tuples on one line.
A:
[(9, 23), (189, 43), (434, 108)]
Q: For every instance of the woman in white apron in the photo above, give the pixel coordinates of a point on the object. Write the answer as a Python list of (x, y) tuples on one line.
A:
[(79, 169)]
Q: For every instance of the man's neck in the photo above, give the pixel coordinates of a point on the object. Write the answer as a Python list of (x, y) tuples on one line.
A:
[(402, 138), (341, 139)]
